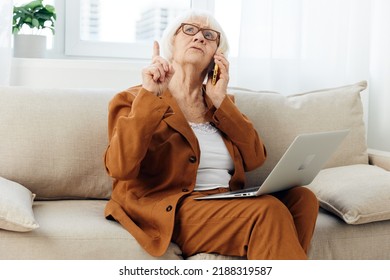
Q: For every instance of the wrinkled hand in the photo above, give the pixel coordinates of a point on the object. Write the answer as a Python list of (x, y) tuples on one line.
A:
[(156, 76), (218, 91)]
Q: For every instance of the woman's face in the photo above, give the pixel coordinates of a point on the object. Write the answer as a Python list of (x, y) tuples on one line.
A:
[(198, 49)]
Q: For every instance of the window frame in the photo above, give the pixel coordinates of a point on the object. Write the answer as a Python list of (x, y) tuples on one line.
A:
[(74, 46)]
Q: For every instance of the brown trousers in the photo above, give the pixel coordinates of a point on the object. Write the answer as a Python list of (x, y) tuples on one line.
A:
[(278, 226)]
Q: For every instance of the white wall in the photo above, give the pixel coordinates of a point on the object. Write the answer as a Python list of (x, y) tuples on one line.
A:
[(75, 73), (81, 73)]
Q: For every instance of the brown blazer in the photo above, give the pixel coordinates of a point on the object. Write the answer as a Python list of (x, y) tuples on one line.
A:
[(153, 156)]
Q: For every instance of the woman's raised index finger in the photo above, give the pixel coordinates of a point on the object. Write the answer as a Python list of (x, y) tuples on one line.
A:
[(156, 49)]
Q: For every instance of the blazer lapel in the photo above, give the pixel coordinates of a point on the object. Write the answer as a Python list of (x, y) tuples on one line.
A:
[(178, 121), (209, 115)]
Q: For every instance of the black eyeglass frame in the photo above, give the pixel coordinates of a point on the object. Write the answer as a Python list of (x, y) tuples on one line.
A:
[(200, 29)]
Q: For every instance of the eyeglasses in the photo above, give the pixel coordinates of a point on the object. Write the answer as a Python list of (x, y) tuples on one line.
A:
[(192, 30)]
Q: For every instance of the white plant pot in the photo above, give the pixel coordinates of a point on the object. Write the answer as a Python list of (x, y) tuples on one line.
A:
[(31, 46)]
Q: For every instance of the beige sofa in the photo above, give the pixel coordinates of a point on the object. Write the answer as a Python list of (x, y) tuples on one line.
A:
[(53, 185)]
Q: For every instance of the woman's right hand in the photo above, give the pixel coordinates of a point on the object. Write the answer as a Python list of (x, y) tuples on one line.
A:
[(156, 76)]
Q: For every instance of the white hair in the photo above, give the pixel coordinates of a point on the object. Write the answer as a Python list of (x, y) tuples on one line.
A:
[(166, 43)]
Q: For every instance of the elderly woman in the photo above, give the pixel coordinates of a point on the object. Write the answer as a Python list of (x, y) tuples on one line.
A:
[(178, 136)]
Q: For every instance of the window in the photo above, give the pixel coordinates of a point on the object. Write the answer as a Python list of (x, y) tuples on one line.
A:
[(117, 28), (126, 28), (120, 28)]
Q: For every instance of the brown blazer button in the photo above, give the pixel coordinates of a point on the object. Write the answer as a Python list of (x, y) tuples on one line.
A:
[(169, 208), (192, 159), (184, 190)]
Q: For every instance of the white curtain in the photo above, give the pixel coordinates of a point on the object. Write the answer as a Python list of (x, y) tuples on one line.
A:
[(6, 8), (292, 46), (295, 45), (379, 80)]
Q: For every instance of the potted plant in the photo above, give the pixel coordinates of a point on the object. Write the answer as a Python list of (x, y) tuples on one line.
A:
[(32, 18)]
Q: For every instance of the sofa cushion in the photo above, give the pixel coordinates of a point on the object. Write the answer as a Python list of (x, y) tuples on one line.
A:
[(279, 119), (16, 212), (52, 141), (74, 230), (356, 193)]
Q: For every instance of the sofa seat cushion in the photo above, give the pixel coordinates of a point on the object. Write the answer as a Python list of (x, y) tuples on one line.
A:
[(337, 240), (357, 193), (333, 239), (74, 229)]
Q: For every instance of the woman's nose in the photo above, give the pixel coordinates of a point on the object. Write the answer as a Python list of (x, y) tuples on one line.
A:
[(199, 37)]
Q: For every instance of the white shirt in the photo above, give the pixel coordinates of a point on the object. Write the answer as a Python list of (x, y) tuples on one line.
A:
[(215, 161)]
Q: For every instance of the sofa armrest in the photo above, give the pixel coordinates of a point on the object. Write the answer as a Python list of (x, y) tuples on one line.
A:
[(379, 158)]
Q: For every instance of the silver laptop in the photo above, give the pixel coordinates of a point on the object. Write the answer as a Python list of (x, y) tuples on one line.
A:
[(298, 166)]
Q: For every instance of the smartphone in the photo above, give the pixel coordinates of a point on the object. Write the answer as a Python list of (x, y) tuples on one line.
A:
[(215, 74)]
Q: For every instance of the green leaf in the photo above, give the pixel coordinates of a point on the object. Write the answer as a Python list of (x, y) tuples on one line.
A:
[(50, 8), (15, 30), (35, 22), (34, 4), (43, 16)]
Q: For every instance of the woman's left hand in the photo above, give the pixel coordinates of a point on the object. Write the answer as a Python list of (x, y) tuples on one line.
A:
[(218, 92)]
